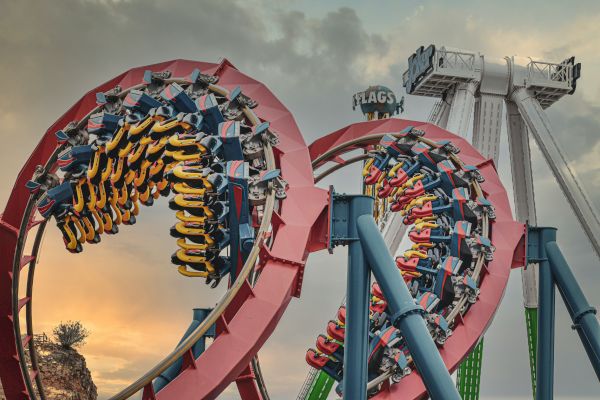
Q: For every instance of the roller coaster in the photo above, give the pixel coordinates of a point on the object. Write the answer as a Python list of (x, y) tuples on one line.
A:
[(242, 184)]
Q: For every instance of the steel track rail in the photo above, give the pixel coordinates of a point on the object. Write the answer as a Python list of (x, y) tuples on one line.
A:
[(220, 308), (147, 378), (361, 142)]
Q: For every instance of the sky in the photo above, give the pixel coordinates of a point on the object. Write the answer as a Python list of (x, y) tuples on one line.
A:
[(313, 55)]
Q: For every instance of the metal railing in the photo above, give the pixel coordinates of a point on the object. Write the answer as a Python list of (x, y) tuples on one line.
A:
[(550, 71), (449, 59)]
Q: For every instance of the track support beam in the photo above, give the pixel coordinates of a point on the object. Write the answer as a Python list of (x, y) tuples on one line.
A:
[(537, 239), (581, 312), (555, 271), (346, 211)]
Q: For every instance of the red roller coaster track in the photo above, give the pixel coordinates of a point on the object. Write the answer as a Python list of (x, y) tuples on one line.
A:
[(299, 226)]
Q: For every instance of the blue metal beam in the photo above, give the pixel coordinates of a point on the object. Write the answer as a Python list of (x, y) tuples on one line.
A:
[(545, 344), (582, 313), (171, 373), (406, 315), (356, 343), (345, 209)]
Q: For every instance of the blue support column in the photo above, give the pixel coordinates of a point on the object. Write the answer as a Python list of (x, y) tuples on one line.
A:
[(582, 313), (537, 239), (406, 314), (171, 373), (345, 211)]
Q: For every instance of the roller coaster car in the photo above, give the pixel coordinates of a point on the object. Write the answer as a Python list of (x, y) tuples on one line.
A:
[(187, 142), (69, 228), (76, 160), (155, 81), (460, 243), (325, 364), (229, 133), (427, 156), (154, 152), (466, 285), (374, 168), (139, 101), (428, 232), (428, 301), (414, 261), (253, 142), (216, 266), (259, 184), (459, 207), (391, 145), (376, 290), (171, 125), (444, 287), (197, 232), (341, 314), (209, 108), (436, 199), (439, 328), (402, 170), (92, 235), (234, 107), (197, 177), (378, 304), (72, 134), (378, 318), (178, 98), (193, 147), (481, 245), (418, 185), (140, 126), (407, 138), (452, 177), (41, 181), (379, 348), (119, 141), (462, 207), (336, 331), (485, 206), (109, 101), (215, 212), (103, 125), (199, 81), (56, 201), (330, 347), (137, 157), (378, 307), (384, 189)]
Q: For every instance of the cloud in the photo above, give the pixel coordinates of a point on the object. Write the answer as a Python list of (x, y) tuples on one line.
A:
[(125, 291)]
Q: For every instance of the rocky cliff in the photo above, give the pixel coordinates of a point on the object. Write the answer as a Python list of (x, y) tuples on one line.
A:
[(64, 373)]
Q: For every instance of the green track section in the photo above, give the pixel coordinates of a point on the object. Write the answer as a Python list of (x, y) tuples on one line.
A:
[(468, 377), (321, 387), (531, 319)]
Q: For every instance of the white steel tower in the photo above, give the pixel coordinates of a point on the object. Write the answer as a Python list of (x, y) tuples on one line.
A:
[(472, 84)]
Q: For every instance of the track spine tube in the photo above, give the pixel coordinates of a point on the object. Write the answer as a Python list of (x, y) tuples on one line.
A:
[(406, 314)]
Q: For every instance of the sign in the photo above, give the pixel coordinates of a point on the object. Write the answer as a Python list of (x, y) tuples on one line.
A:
[(376, 99), (420, 63)]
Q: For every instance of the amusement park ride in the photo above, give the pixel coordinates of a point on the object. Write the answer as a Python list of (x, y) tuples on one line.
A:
[(241, 181)]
